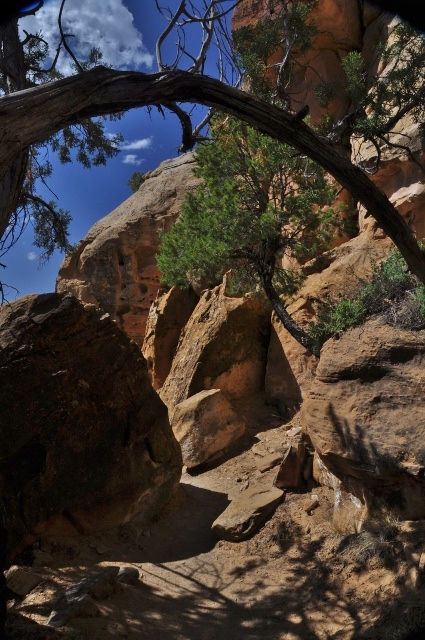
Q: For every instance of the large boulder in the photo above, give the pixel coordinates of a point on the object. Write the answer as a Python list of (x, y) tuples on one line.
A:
[(167, 317), (223, 346), (205, 424), (85, 441), (365, 412), (114, 266)]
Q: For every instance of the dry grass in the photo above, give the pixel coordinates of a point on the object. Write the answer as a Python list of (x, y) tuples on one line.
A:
[(377, 541)]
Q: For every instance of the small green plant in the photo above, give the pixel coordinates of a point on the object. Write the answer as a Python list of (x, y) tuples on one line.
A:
[(392, 291), (136, 180)]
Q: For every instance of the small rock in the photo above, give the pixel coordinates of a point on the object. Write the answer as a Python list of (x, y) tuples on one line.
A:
[(101, 550), (128, 575), (275, 550), (245, 486), (290, 471), (422, 562), (268, 462), (260, 449), (245, 514), (238, 479), (312, 504), (21, 582), (295, 431)]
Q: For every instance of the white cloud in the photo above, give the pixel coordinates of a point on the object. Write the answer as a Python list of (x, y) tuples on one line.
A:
[(144, 143), (106, 24), (32, 255), (131, 158)]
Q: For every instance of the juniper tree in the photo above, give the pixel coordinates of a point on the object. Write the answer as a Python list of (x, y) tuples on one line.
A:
[(259, 206)]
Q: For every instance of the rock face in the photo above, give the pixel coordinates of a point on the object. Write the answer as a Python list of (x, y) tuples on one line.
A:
[(167, 317), (290, 471), (365, 413), (205, 424), (291, 368), (114, 266), (341, 25), (223, 346), (86, 442)]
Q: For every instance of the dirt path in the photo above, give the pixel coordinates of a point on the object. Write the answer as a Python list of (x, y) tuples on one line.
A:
[(288, 582)]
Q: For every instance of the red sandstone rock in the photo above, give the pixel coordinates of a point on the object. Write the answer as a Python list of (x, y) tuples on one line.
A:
[(365, 412), (167, 317), (114, 266), (223, 346)]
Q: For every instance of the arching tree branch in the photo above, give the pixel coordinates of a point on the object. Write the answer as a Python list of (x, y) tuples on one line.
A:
[(44, 110)]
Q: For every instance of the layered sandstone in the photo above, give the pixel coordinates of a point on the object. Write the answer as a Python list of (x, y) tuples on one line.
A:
[(167, 316), (365, 412), (290, 367), (223, 346), (114, 267)]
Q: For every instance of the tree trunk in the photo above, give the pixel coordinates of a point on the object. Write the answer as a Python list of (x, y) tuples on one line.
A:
[(13, 70), (34, 114), (288, 322)]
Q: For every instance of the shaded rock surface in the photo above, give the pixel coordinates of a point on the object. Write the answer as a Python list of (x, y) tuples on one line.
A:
[(114, 266), (223, 346), (77, 600), (289, 475), (246, 513), (21, 582), (205, 424), (352, 498), (365, 412), (86, 442), (167, 317)]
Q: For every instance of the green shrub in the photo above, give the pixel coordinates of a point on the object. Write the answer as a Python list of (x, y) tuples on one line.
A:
[(392, 291)]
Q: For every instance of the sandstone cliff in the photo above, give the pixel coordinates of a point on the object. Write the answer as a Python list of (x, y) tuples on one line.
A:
[(114, 266)]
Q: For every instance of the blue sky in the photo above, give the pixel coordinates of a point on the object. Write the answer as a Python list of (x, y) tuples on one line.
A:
[(126, 31)]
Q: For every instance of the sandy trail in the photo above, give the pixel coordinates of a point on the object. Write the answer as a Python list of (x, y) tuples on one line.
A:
[(288, 582)]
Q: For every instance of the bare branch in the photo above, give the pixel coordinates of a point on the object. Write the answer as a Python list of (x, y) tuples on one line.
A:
[(204, 122), (188, 141), (65, 36), (167, 30)]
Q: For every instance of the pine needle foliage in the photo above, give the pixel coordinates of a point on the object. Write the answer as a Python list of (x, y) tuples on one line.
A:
[(259, 205)]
